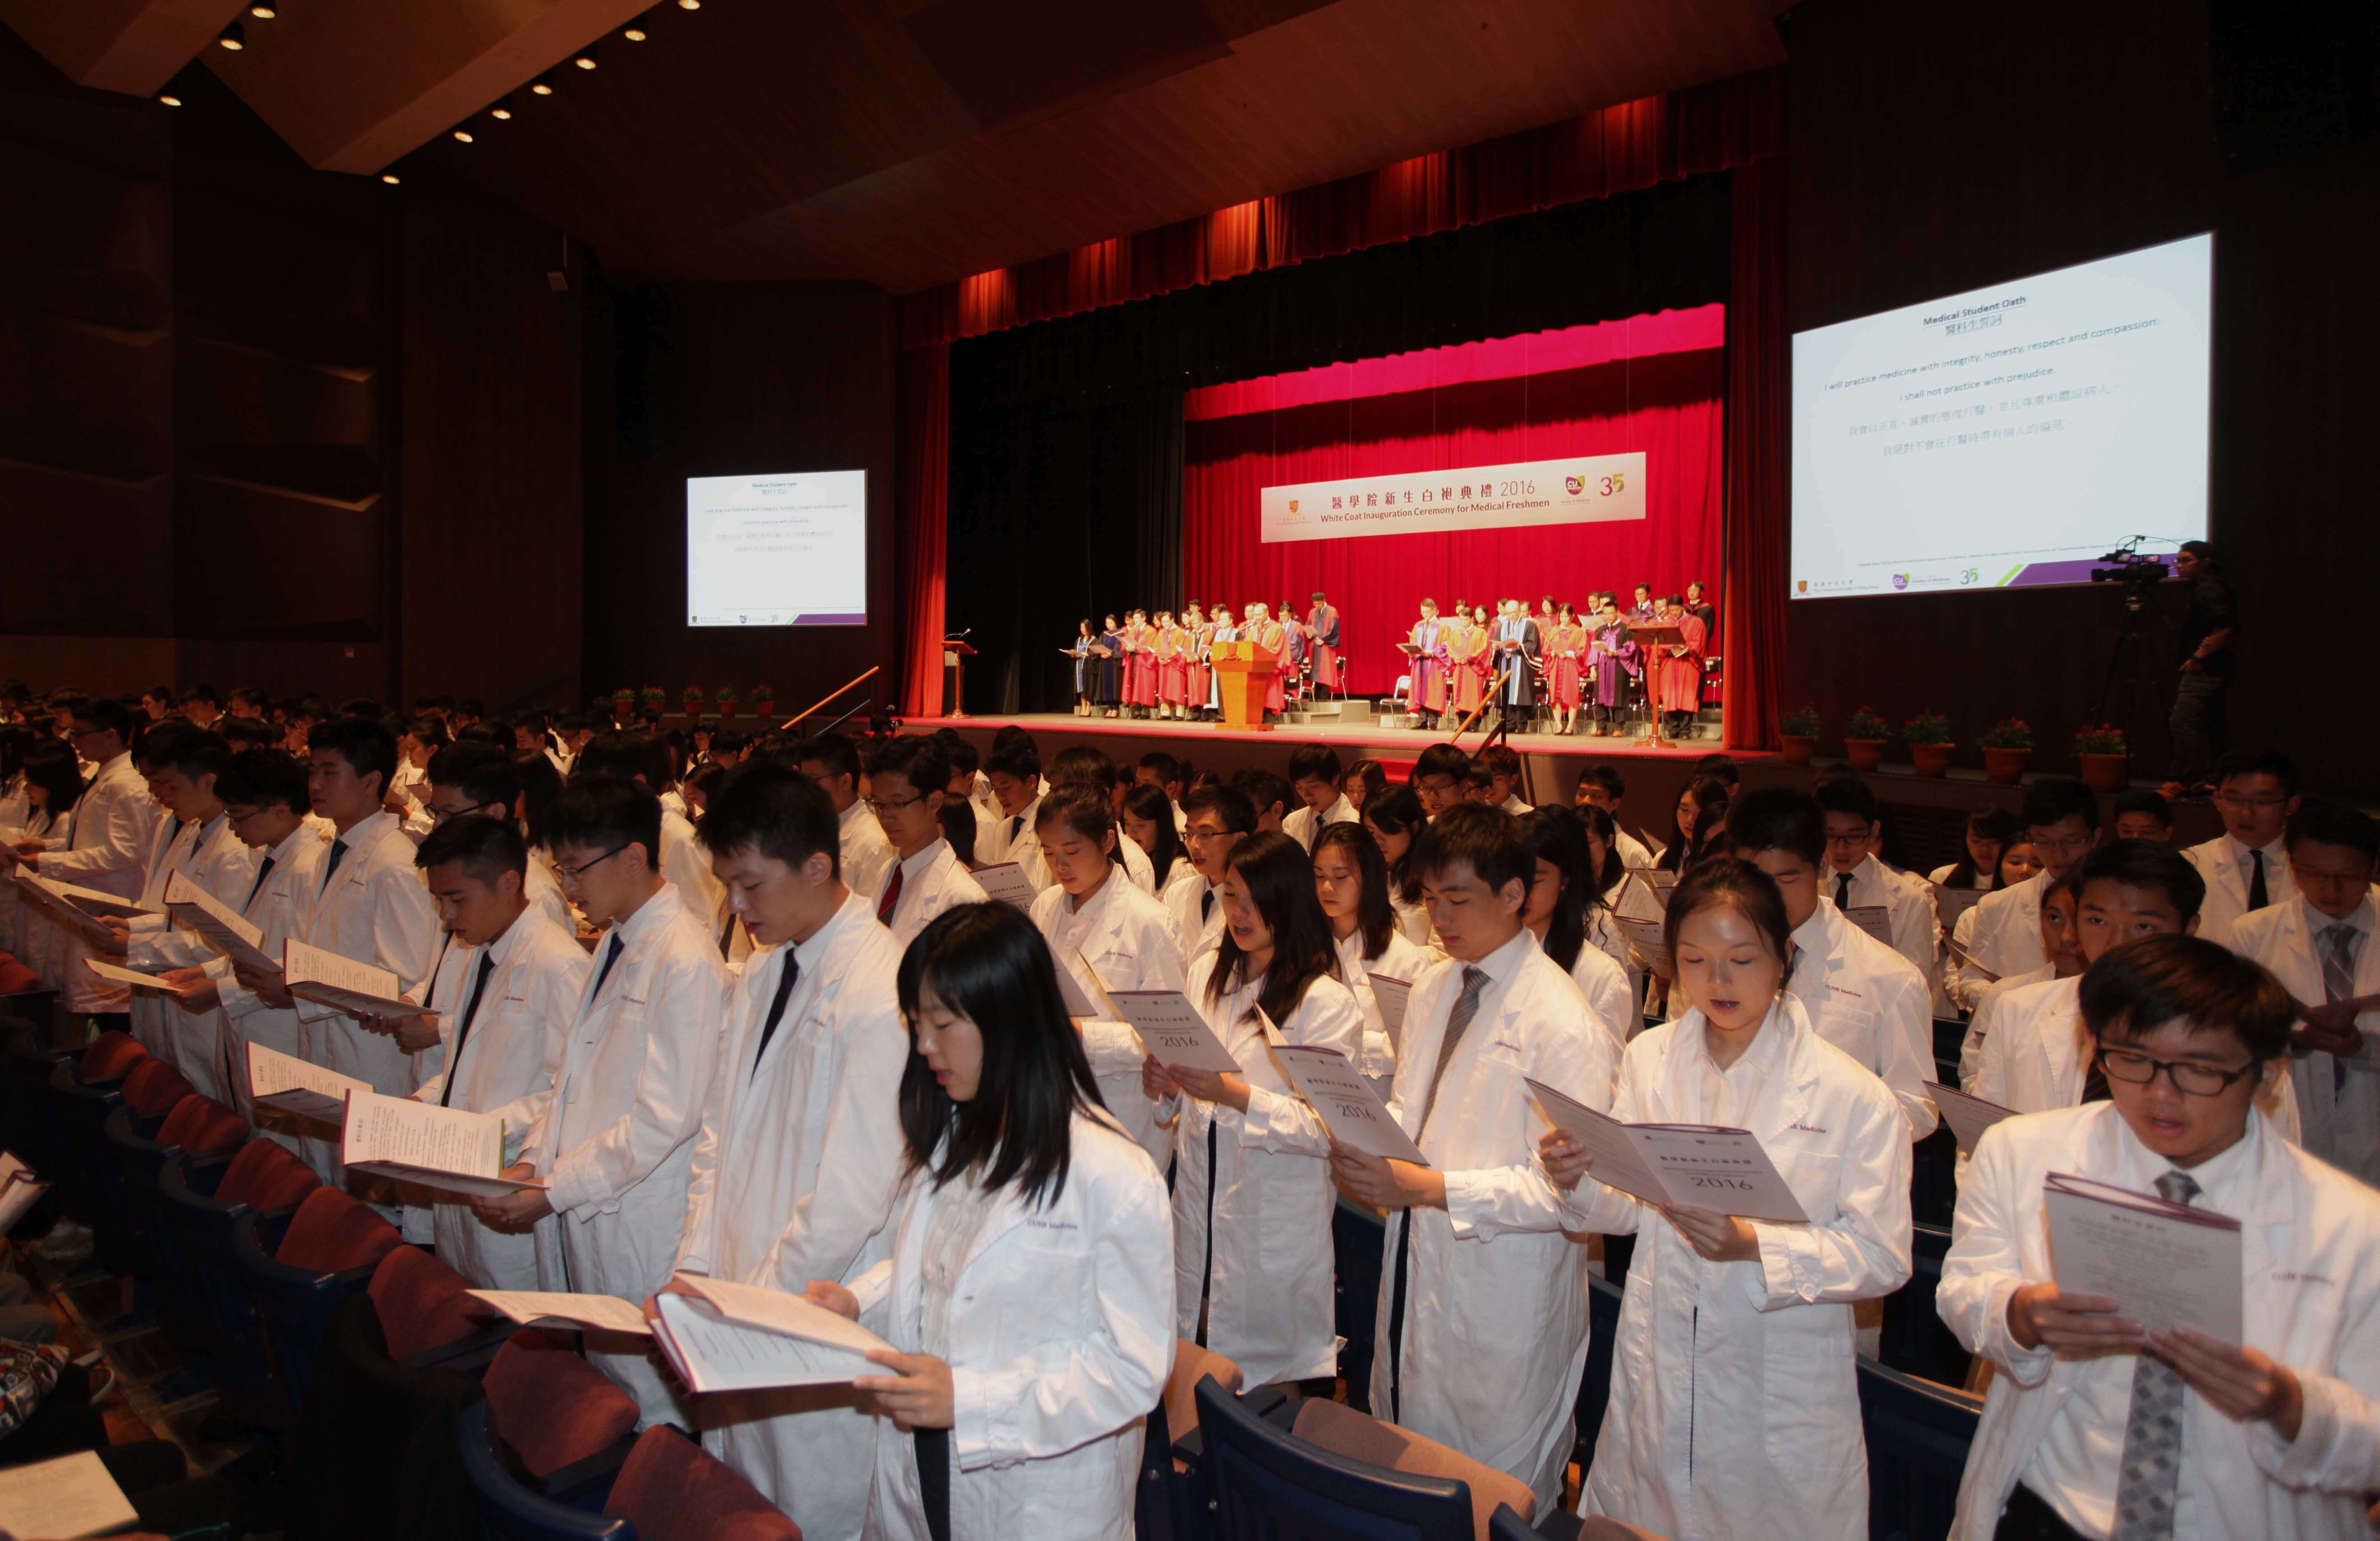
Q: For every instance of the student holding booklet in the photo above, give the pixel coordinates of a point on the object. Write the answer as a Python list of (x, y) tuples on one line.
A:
[(1029, 1290), (1376, 960), (2100, 1425), (1251, 1197), (1750, 1318)]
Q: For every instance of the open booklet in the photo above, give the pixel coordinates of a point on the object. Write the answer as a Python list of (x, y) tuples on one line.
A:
[(327, 979), (2164, 1264), (1005, 882), (91, 901), (1874, 919), (225, 929), (1390, 995), (1649, 937), (1968, 1116), (1966, 960), (118, 974), (20, 1189), (416, 1141), (1699, 1166), (1345, 1102), (1949, 903), (1087, 994), (300, 1088), (1658, 883), (47, 897), (729, 1337), (67, 1496), (555, 1308), (1175, 1029)]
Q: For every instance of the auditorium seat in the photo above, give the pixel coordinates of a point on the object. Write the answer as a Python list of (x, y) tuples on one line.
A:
[(1361, 1436), (206, 1198), (543, 1448), (24, 1111), (1172, 1495), (81, 1094), (1268, 1481), (127, 1161), (111, 1056), (1508, 1525), (671, 1491), (1603, 1299), (1917, 1439), (297, 1273), (1915, 1340), (422, 1304), (16, 979)]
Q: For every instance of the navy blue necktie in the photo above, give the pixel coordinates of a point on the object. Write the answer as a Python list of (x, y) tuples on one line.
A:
[(610, 956)]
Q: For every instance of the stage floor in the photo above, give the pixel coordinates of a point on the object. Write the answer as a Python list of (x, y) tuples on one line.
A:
[(1369, 734)]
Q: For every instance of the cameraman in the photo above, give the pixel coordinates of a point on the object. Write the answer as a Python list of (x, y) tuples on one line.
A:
[(2197, 724)]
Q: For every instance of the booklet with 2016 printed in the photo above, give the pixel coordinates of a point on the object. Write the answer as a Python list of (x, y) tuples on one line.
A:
[(289, 1084), (1701, 1166), (721, 1336), (1005, 882), (329, 979), (556, 1308), (1344, 1101), (2164, 1264), (1968, 1116), (417, 1141), (1175, 1029), (225, 929)]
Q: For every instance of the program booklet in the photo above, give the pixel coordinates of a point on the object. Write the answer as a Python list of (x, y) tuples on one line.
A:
[(2164, 1264), (341, 983), (1345, 1102), (447, 1148), (555, 1308), (729, 1337), (47, 897), (289, 1084), (225, 929), (1173, 1028), (20, 1189), (1700, 1166), (1390, 995), (1967, 1116), (1005, 882), (1650, 938)]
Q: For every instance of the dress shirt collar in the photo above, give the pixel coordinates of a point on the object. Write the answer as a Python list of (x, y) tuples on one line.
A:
[(2361, 917), (913, 868)]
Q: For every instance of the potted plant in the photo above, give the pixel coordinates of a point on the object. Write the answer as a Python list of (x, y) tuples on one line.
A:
[(1929, 737), (2107, 763), (1864, 739), (656, 699), (624, 702), (727, 701), (690, 698), (1801, 735), (764, 700), (2007, 745)]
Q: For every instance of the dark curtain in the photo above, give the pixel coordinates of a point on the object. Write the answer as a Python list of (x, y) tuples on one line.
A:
[(922, 512), (1751, 626), (1065, 472)]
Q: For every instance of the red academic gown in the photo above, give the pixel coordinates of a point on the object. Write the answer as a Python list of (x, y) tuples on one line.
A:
[(1565, 648), (1170, 672), (1139, 668), (1273, 638), (1680, 680), (1323, 621), (1200, 672), (1429, 666)]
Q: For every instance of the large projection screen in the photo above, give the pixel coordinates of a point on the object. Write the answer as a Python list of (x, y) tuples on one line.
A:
[(2008, 436), (777, 550)]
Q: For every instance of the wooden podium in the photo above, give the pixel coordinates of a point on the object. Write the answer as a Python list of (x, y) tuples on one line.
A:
[(1243, 677)]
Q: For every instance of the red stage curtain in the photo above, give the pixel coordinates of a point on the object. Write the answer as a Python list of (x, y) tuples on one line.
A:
[(920, 524), (1665, 403), (1752, 618)]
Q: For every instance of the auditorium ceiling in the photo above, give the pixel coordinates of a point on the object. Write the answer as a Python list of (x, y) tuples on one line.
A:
[(905, 142)]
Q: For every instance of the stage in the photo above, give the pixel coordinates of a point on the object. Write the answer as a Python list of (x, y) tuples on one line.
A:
[(1354, 741)]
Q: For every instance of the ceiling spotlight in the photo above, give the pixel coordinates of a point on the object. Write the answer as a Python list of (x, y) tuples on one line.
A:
[(390, 178), (585, 57), (689, 4), (502, 111), (462, 136), (634, 31), (263, 10), (234, 37), (169, 99), (542, 85)]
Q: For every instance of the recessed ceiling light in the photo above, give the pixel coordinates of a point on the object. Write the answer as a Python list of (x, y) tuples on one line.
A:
[(502, 111), (390, 178), (169, 99), (234, 37), (689, 4), (463, 136), (633, 32), (584, 58), (542, 85), (263, 10)]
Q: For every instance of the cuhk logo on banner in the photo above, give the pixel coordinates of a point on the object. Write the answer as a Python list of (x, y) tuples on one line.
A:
[(1900, 580), (1292, 506)]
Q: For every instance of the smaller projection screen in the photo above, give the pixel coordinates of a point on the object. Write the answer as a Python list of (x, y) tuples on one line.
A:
[(777, 550), (2005, 437)]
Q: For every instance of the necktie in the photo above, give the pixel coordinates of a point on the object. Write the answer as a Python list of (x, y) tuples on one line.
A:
[(1458, 1022), (263, 870), (610, 956), (793, 971), (463, 1028), (338, 849), (884, 906), (2257, 895), (1206, 905), (1842, 890), (1014, 825), (2151, 1465), (2339, 981)]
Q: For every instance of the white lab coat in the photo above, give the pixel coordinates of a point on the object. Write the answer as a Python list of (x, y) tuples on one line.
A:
[(1908, 904), (2223, 863), (106, 846), (1604, 985), (1302, 825), (866, 856), (544, 892), (1495, 1319), (1198, 932), (931, 881), (217, 861), (375, 910), (1136, 863), (1059, 1340), (511, 1053), (686, 863), (1870, 1002), (1269, 1299), (1398, 960), (793, 1179), (1987, 1019), (614, 1135), (2310, 1244), (272, 906), (2001, 934), (153, 1014), (2342, 1122), (1129, 943), (1734, 1408)]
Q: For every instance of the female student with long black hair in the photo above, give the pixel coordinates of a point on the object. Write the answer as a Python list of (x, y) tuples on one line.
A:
[(1351, 882), (1252, 1195), (1679, 851), (1029, 1291), (1394, 817), (1555, 913), (1750, 1319), (1149, 822)]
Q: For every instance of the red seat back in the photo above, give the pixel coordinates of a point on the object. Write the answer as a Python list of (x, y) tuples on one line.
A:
[(266, 1176), (671, 1491), (421, 1302), (552, 1406), (110, 1056), (331, 1233), (202, 1126), (154, 1087), (16, 979)]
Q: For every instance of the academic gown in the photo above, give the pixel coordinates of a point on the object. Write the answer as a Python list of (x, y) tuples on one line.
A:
[(1680, 680), (1111, 673), (1616, 660), (1323, 621), (1565, 648), (1429, 666)]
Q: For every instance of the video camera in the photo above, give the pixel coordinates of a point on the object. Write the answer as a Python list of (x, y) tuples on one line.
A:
[(2127, 566)]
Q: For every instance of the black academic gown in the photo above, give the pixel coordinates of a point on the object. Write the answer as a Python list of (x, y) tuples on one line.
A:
[(1110, 676)]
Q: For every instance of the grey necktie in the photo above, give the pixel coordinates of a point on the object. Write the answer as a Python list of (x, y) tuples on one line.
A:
[(1458, 1022), (2338, 979), (2151, 1465)]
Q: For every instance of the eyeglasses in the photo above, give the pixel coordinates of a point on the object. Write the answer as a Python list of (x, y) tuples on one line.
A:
[(2261, 805), (572, 874), (2189, 1077), (883, 810), (1436, 785), (1199, 837)]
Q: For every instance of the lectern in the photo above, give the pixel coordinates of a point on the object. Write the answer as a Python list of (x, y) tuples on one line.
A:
[(1242, 676), (956, 652)]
